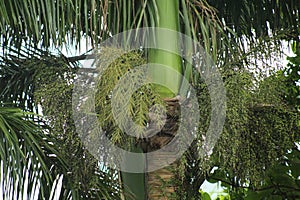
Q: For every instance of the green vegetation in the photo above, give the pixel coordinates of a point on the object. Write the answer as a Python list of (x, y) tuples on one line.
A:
[(257, 155)]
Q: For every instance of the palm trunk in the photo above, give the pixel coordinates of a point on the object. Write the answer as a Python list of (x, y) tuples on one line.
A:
[(161, 184)]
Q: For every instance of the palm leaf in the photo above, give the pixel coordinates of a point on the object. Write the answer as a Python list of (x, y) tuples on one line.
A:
[(24, 150), (18, 74), (260, 17)]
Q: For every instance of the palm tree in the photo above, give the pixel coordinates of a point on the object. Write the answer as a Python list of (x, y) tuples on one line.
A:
[(47, 24)]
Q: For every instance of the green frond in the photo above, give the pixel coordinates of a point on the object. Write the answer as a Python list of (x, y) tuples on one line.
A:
[(19, 70), (24, 150), (259, 17)]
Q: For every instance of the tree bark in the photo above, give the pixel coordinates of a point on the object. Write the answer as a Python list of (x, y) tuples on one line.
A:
[(161, 184)]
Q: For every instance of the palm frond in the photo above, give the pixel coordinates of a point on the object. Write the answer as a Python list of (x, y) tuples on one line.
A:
[(259, 17), (53, 23), (49, 22), (24, 152), (18, 74)]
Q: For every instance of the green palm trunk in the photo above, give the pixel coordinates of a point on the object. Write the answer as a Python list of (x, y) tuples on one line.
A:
[(156, 185), (168, 13), (161, 183)]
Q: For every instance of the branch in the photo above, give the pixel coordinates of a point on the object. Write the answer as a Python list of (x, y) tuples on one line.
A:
[(80, 57), (230, 183)]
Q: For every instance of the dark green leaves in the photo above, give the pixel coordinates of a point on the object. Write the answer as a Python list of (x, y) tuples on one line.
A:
[(23, 148)]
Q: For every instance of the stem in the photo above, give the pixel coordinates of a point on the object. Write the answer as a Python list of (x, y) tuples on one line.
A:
[(168, 17)]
